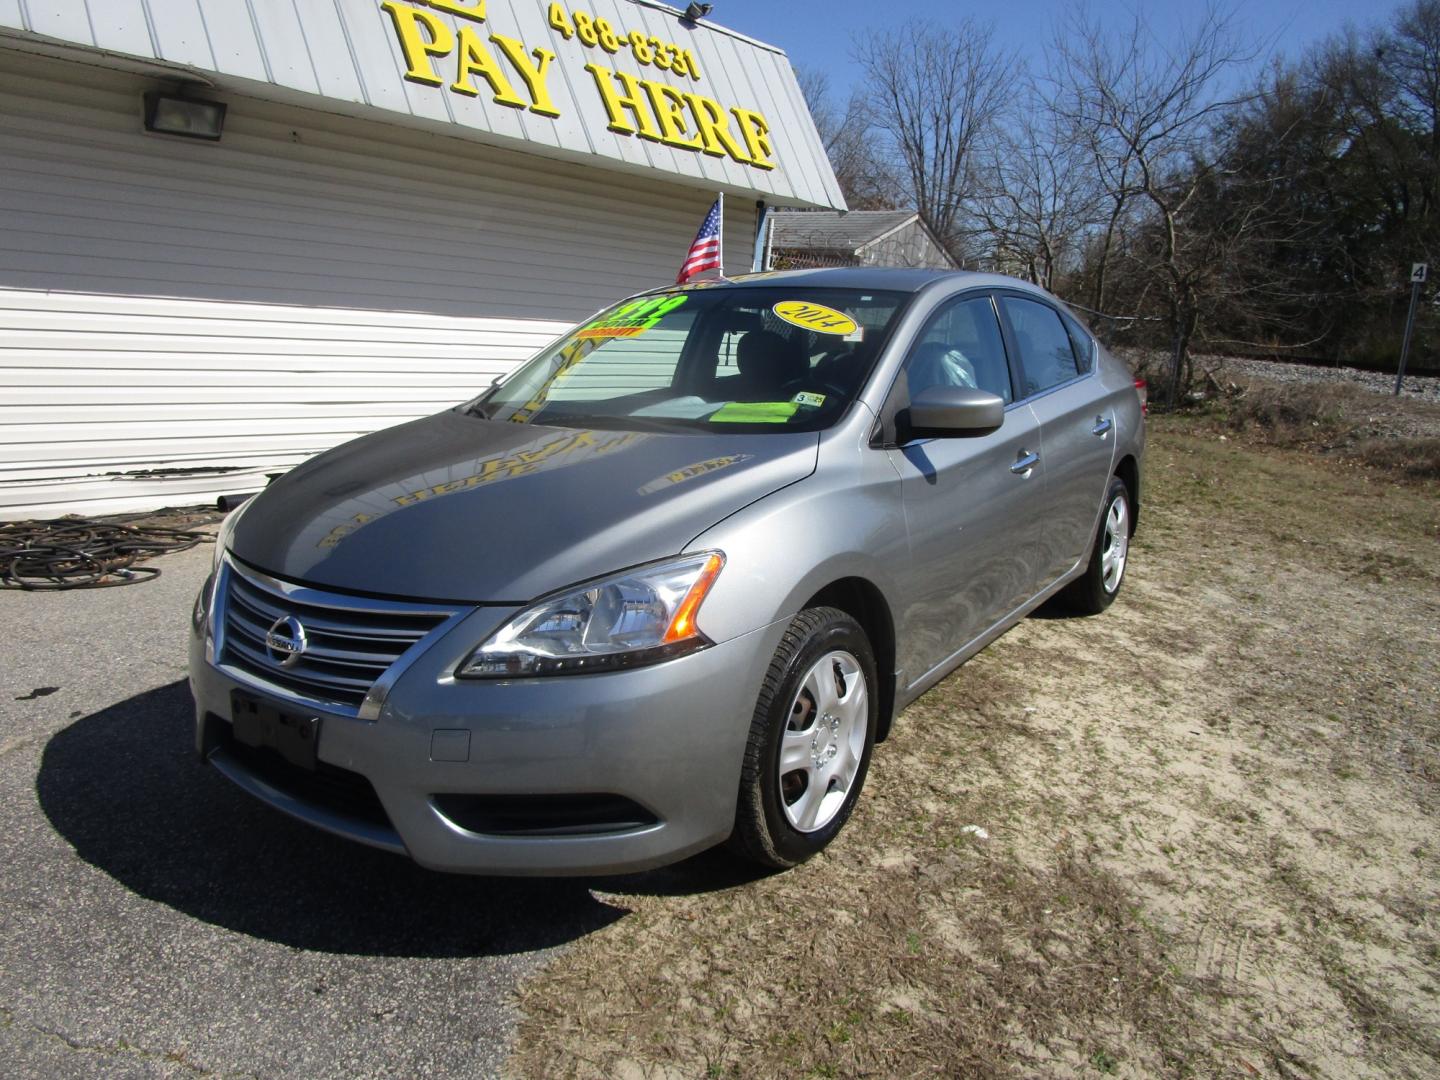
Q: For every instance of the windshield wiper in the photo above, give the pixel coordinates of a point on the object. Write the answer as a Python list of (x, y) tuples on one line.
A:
[(617, 423)]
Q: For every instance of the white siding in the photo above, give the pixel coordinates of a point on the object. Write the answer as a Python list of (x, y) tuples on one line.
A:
[(99, 392), (173, 305)]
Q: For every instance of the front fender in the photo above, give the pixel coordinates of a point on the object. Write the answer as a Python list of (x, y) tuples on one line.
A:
[(785, 548)]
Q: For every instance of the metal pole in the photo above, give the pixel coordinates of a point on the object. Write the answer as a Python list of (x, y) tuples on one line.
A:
[(1409, 328), (762, 221)]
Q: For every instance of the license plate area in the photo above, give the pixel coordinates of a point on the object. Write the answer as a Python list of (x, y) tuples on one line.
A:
[(292, 736)]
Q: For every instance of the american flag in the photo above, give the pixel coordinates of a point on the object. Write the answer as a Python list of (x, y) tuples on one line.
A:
[(705, 251)]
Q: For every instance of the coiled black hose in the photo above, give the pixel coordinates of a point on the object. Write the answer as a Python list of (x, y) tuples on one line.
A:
[(81, 553)]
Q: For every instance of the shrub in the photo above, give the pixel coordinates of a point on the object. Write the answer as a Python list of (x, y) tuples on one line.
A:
[(1296, 414), (1414, 459)]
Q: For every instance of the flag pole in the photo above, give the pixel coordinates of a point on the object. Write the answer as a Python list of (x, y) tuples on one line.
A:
[(721, 268)]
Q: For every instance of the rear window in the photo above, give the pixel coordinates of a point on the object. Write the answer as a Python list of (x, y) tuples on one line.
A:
[(1046, 354), (1082, 343)]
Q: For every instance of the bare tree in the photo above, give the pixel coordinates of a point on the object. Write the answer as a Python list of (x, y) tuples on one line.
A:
[(1147, 112), (936, 93), (1036, 197), (1412, 59), (867, 178)]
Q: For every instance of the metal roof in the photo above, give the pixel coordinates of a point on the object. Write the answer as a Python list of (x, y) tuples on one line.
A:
[(350, 57), (836, 230)]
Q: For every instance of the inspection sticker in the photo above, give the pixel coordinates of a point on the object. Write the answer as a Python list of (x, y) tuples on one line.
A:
[(816, 317), (804, 397)]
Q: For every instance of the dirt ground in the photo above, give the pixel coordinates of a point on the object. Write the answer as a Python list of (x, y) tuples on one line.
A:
[(1194, 836)]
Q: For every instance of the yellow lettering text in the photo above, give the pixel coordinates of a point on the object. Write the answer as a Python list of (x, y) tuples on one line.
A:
[(616, 103), (474, 10), (669, 106), (533, 73), (475, 59), (714, 128), (435, 40), (756, 131)]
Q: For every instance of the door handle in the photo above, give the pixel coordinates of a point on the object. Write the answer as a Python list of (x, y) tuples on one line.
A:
[(1102, 426), (1024, 463)]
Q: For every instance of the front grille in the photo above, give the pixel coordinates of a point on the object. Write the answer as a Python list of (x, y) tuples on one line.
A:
[(350, 642)]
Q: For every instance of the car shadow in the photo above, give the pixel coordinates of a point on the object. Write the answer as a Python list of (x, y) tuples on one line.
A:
[(915, 454), (123, 786), (1055, 608)]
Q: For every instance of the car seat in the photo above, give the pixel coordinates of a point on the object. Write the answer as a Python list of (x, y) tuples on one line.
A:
[(768, 361)]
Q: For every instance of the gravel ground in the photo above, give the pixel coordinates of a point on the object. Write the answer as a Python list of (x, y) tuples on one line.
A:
[(1423, 387)]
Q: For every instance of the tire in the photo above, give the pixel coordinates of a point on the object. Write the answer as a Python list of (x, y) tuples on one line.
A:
[(1097, 588), (783, 819)]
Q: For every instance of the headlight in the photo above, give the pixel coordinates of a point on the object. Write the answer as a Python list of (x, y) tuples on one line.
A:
[(205, 601), (227, 529), (638, 617), (200, 617)]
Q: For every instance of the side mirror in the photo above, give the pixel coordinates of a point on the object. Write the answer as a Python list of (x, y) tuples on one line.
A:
[(953, 411)]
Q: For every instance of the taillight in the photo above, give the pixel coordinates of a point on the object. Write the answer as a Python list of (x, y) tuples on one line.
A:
[(1143, 389)]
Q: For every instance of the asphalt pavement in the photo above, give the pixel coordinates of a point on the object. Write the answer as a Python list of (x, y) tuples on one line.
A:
[(156, 921)]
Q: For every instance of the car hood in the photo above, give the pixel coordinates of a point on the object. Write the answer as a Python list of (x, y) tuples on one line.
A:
[(453, 507)]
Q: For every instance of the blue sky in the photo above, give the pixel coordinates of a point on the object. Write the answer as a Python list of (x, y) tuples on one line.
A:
[(818, 33)]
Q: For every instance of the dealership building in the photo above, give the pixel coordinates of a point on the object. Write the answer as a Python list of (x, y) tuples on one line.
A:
[(234, 233)]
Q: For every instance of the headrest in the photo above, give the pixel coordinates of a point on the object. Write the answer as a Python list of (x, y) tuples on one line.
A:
[(764, 354)]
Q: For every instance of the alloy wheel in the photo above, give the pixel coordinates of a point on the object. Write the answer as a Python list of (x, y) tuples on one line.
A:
[(1116, 543), (824, 741)]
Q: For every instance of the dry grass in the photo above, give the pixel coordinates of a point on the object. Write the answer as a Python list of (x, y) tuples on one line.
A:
[(914, 949), (1296, 414), (1412, 459), (1352, 426), (1211, 818)]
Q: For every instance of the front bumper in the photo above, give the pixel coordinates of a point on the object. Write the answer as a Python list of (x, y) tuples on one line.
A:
[(669, 737)]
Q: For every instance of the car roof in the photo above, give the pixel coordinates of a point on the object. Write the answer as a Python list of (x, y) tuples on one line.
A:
[(858, 277)]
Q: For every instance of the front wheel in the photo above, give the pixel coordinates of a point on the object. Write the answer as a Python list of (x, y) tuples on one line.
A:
[(1094, 591), (810, 740)]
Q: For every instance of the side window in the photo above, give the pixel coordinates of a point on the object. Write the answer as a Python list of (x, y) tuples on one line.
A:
[(961, 346), (1046, 354), (1081, 342)]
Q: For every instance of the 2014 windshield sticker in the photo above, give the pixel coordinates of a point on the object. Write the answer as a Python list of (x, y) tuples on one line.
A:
[(631, 319), (816, 317)]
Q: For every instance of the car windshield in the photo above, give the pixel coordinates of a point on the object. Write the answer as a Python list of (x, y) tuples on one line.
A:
[(747, 359)]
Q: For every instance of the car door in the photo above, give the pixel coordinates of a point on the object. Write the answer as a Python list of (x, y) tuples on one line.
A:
[(1056, 359), (972, 504)]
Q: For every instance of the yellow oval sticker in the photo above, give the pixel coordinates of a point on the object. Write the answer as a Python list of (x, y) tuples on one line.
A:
[(816, 317)]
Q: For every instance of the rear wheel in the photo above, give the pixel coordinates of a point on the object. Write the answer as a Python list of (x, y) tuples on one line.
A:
[(1093, 592), (810, 740)]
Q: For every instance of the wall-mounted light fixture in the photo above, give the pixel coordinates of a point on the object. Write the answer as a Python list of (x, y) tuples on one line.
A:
[(176, 114), (696, 12)]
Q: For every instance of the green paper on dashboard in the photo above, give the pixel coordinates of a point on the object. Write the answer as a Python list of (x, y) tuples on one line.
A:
[(754, 412)]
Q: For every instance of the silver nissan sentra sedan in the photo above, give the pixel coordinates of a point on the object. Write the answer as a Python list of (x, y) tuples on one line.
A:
[(668, 583)]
